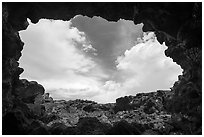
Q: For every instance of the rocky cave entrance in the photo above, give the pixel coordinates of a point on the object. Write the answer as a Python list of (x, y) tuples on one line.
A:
[(93, 59), (179, 112)]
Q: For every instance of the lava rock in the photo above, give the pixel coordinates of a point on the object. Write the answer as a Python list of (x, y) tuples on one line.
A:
[(15, 123), (91, 126), (150, 132), (28, 91), (123, 128), (57, 129)]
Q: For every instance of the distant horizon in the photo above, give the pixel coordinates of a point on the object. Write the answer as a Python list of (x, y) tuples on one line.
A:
[(93, 59), (166, 90)]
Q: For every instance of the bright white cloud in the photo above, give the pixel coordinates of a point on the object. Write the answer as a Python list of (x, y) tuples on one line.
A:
[(87, 48), (146, 68), (56, 49), (62, 59), (52, 56)]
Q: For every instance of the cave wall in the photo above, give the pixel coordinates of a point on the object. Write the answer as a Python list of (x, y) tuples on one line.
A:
[(179, 25)]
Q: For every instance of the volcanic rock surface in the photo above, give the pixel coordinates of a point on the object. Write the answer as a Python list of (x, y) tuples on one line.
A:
[(178, 111)]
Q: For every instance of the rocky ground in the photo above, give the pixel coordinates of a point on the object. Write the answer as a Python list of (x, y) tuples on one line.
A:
[(145, 113)]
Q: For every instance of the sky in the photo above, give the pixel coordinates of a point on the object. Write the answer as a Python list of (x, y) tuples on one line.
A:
[(93, 59)]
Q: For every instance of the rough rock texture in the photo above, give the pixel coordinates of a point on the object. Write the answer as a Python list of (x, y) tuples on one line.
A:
[(71, 117), (28, 91), (176, 24)]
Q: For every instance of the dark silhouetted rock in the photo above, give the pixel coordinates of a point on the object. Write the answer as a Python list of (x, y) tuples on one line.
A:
[(123, 128), (58, 129), (37, 109), (150, 132), (91, 126), (15, 123), (122, 104), (28, 91), (89, 108), (37, 128), (39, 99), (47, 98)]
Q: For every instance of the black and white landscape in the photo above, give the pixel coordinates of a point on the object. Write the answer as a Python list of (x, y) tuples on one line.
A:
[(102, 68)]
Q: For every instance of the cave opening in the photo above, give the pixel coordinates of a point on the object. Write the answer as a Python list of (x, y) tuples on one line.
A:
[(94, 59), (178, 112)]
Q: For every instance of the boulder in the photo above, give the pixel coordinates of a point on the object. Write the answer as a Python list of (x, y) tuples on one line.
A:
[(57, 129), (37, 109), (39, 99), (47, 98), (123, 128), (89, 108), (91, 126), (28, 91), (122, 104)]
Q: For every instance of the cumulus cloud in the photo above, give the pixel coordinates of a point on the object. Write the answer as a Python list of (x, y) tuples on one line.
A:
[(146, 68), (55, 49), (110, 39), (143, 68), (52, 55)]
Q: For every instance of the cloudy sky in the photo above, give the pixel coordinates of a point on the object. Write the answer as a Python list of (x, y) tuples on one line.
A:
[(91, 58)]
